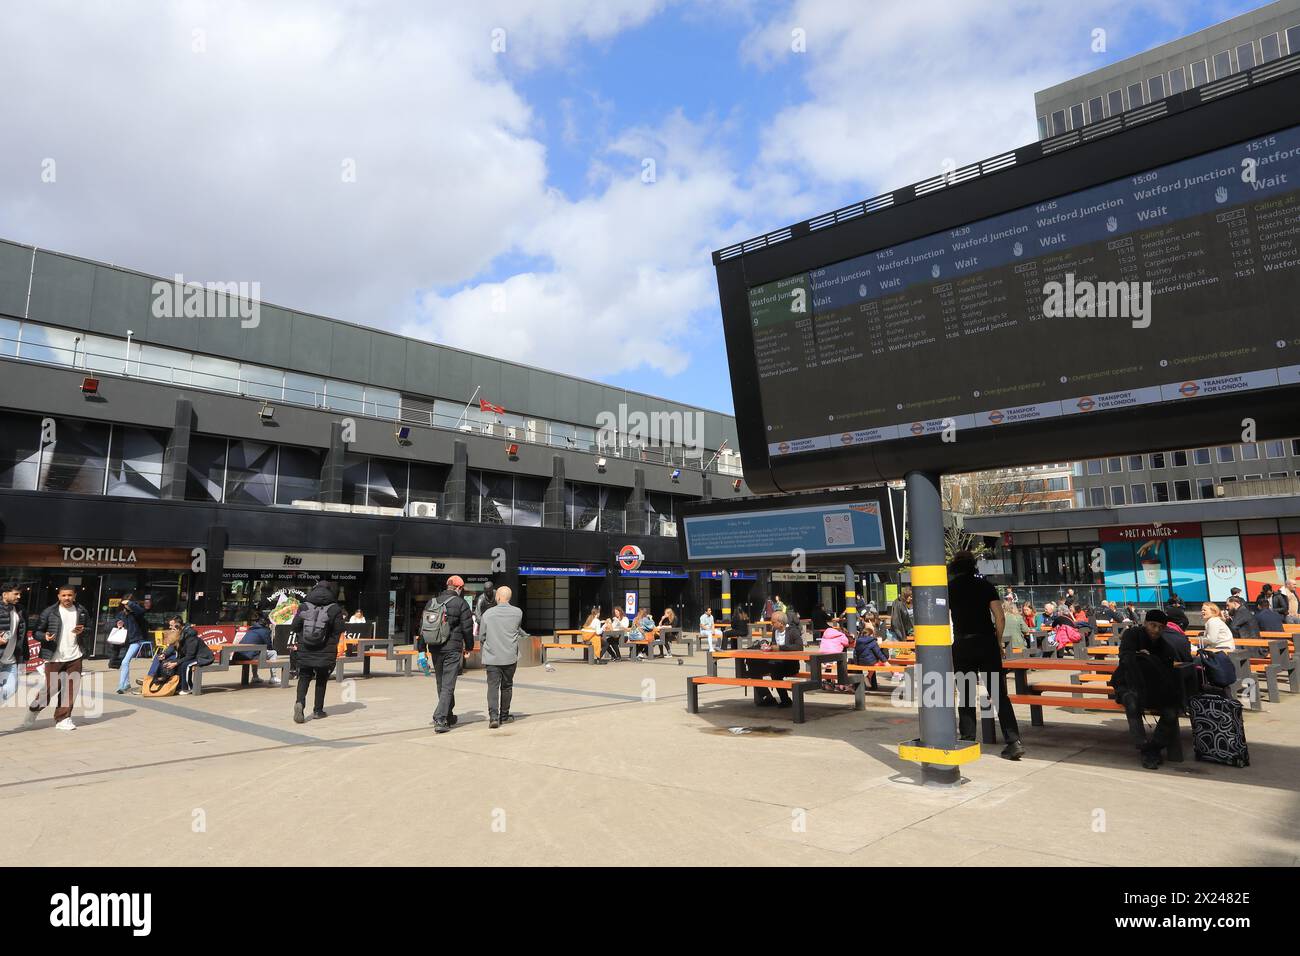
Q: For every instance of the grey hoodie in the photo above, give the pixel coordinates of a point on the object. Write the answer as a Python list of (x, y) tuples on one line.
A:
[(499, 633)]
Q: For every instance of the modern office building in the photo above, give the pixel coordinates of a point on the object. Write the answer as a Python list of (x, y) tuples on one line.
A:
[(1212, 55), (214, 462)]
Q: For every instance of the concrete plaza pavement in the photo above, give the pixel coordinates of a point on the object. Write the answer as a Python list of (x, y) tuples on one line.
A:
[(606, 767)]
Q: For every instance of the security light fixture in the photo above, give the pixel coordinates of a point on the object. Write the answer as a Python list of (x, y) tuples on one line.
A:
[(265, 412), (600, 465), (90, 385), (403, 435), (677, 474), (512, 451), (735, 485)]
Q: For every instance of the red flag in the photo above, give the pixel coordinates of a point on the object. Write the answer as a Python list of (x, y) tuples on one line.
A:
[(486, 406)]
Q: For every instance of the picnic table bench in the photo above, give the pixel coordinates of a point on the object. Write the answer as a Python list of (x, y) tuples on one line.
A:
[(224, 654), (556, 643), (1038, 696), (375, 648), (797, 685)]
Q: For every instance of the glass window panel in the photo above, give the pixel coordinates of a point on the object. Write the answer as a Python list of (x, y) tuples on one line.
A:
[(1226, 454), (40, 343), (250, 473), (1180, 459), (1138, 494), (1182, 490), (1156, 87), (1134, 462), (564, 435), (427, 482), (496, 497), (613, 505), (1095, 112), (20, 449), (1094, 466), (1135, 96), (1177, 80), (447, 414), (1201, 456), (1205, 486), (1114, 465), (1158, 460), (262, 382), (660, 512), (1293, 39), (303, 389), (354, 478), (1222, 65), (586, 438), (206, 472), (78, 460), (1245, 56), (1076, 116), (1200, 73), (97, 353), (383, 403), (1042, 127), (135, 462), (1159, 491), (386, 484), (1117, 495), (583, 507), (217, 374), (530, 493), (1115, 102), (345, 397), (1097, 497), (1270, 48), (1275, 449), (299, 475), (161, 365), (9, 337), (1058, 123), (1250, 452)]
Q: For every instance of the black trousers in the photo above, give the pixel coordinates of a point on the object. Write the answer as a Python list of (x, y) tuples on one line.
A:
[(446, 663), (501, 687), (305, 676), (1166, 731), (977, 659), (773, 670)]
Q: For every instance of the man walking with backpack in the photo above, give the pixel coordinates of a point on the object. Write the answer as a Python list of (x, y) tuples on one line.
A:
[(317, 624), (447, 630)]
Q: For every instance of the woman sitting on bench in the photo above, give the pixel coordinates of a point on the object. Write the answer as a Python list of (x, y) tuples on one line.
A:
[(592, 628), (739, 628), (667, 623)]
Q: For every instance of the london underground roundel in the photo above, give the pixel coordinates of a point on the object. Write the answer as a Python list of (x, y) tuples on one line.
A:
[(630, 557)]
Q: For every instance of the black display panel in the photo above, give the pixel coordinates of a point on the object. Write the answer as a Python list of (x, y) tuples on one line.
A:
[(1161, 292)]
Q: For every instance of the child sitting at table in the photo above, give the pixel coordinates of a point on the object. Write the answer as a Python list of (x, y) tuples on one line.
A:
[(835, 641), (868, 651)]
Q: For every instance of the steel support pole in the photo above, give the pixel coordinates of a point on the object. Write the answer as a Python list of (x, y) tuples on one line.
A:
[(726, 597), (933, 631), (850, 600)]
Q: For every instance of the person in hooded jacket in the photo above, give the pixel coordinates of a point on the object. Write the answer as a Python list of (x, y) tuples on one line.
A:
[(1148, 678), (321, 615), (447, 659), (191, 652)]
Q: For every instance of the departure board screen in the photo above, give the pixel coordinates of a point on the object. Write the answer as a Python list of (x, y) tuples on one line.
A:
[(1126, 294)]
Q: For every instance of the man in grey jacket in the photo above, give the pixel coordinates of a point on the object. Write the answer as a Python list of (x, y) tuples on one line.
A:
[(500, 634)]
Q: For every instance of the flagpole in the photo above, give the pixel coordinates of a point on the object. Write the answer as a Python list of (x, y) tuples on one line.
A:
[(716, 454), (468, 404)]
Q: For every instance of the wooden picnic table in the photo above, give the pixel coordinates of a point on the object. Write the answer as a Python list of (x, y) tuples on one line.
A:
[(813, 657), (1032, 694), (798, 686)]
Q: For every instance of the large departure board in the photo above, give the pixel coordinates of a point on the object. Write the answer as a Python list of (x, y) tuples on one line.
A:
[(1127, 294)]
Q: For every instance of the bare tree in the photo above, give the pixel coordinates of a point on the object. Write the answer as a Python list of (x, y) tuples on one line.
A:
[(979, 493)]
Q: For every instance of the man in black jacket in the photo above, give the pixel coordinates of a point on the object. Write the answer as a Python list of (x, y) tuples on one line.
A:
[(446, 658), (59, 630), (1241, 620), (785, 637), (13, 639), (317, 625), (1266, 619), (1148, 678)]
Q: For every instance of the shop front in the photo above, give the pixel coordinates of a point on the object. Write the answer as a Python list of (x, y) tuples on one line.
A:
[(559, 596), (102, 575), (273, 582), (416, 580)]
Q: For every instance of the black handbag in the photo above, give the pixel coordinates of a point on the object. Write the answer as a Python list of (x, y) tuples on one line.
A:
[(1217, 669)]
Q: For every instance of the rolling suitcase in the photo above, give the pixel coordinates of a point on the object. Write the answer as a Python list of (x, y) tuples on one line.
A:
[(1218, 731)]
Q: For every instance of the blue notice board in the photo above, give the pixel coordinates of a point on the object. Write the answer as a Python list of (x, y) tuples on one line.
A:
[(838, 528)]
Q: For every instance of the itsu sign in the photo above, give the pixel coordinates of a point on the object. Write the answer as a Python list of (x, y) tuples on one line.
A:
[(630, 557)]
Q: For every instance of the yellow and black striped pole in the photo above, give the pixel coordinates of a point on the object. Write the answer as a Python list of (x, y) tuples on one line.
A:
[(936, 750), (726, 597), (850, 600)]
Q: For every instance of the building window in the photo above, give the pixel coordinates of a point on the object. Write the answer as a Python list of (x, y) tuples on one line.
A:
[(496, 494), (1115, 102), (345, 397), (427, 482), (1201, 456), (1097, 497), (1114, 465), (262, 382), (1117, 495), (1058, 123), (219, 375), (1076, 116), (386, 483), (1095, 114), (135, 461), (1135, 96), (1157, 460), (1277, 474), (1200, 73), (1226, 455), (1159, 491), (304, 389), (1295, 447), (530, 498), (1275, 449), (1245, 56), (298, 477), (1227, 479), (162, 365), (1137, 494), (1182, 490), (1042, 127), (1180, 459), (1270, 48), (613, 505), (52, 346), (1252, 477), (1134, 462), (78, 461), (1177, 80), (20, 451), (205, 476), (1156, 87), (250, 473), (1094, 466), (583, 506), (1250, 452), (354, 478), (659, 511), (1205, 488), (1293, 39), (1222, 65)]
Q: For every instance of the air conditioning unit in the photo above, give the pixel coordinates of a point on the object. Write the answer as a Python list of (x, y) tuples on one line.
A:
[(467, 427), (422, 509)]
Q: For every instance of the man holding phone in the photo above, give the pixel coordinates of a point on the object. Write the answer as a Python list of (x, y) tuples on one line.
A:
[(59, 630)]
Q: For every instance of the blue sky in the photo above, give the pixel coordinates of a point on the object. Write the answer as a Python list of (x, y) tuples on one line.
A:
[(499, 203)]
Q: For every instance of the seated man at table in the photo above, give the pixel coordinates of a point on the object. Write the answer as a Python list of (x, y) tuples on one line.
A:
[(785, 637), (1148, 678), (259, 632)]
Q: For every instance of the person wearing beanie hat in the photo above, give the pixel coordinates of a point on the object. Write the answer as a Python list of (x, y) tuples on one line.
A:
[(1148, 678)]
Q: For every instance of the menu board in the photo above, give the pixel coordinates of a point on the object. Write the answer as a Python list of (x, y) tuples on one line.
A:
[(1131, 293)]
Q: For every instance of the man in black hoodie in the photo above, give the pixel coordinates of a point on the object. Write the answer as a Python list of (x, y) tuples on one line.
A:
[(1148, 678), (317, 626), (447, 656), (1241, 620)]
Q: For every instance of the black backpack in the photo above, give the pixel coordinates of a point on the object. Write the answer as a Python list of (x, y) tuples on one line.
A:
[(435, 626), (315, 626)]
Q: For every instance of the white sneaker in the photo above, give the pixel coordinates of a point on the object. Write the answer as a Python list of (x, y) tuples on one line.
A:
[(183, 693), (30, 720), (65, 724)]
